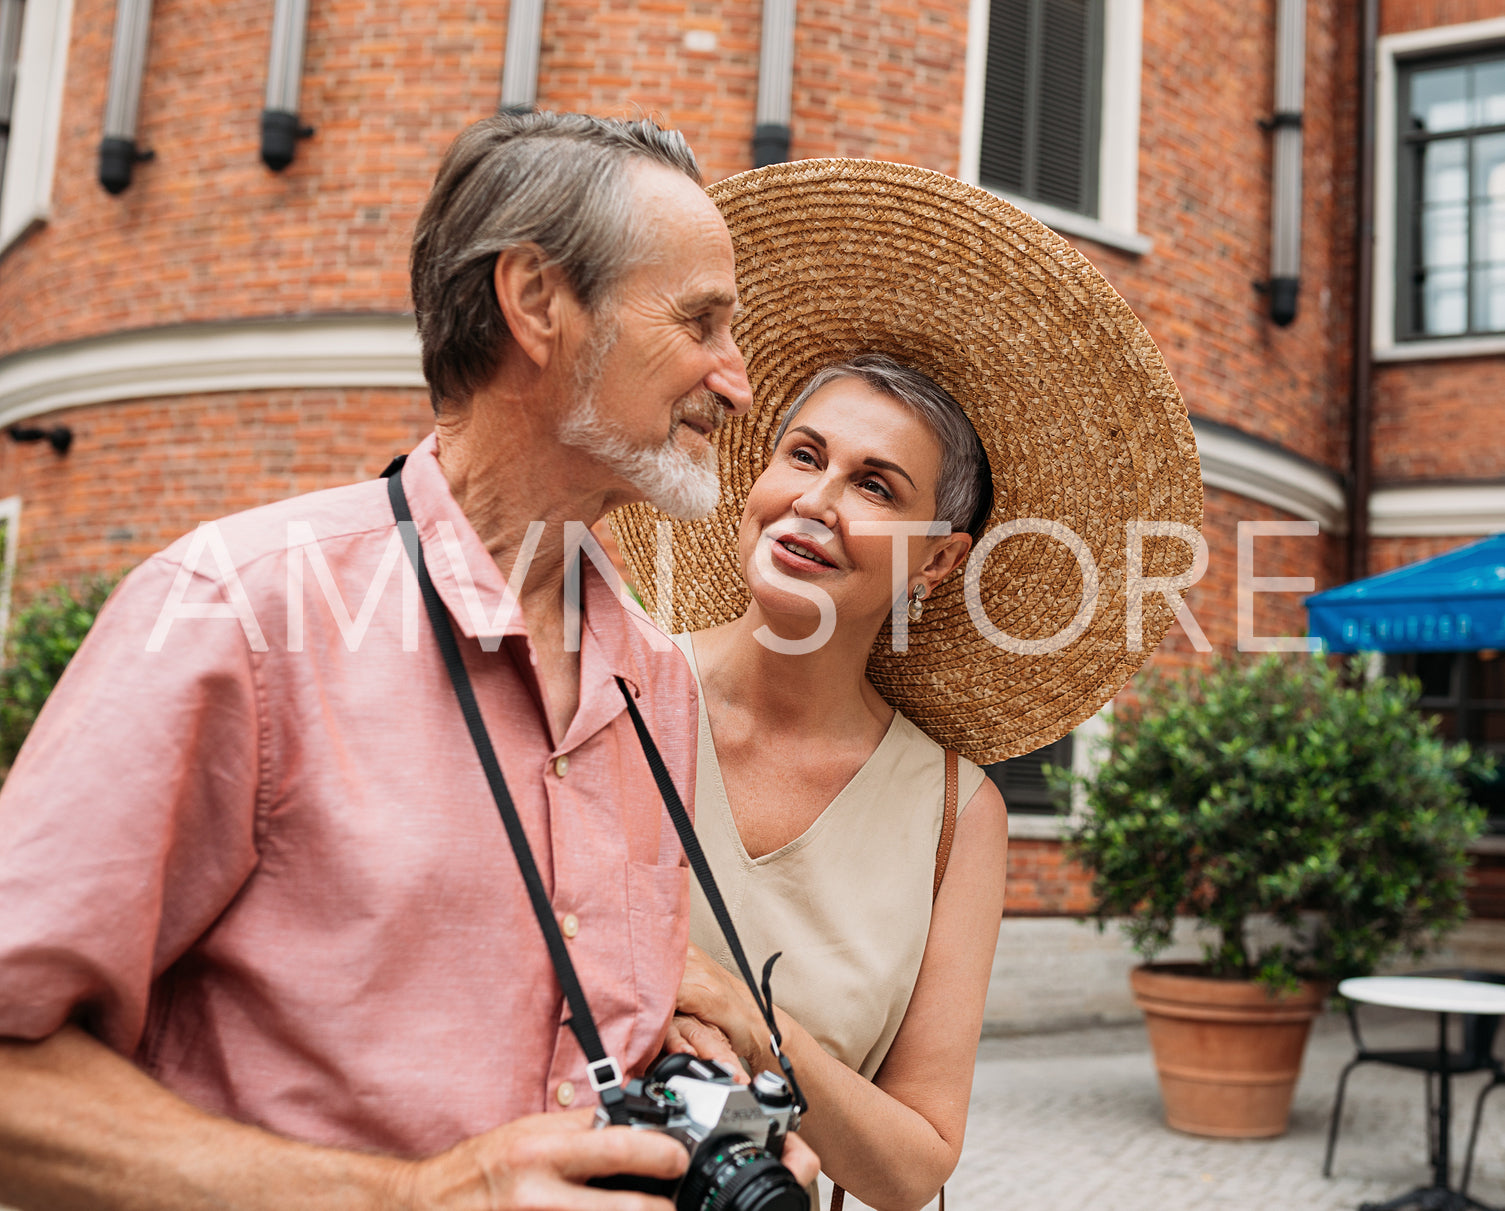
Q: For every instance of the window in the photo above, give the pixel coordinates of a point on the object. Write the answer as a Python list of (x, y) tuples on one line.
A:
[(1023, 784), (33, 61), (1466, 692), (1041, 101), (1451, 179), (1439, 193), (10, 54), (1050, 115), (10, 527)]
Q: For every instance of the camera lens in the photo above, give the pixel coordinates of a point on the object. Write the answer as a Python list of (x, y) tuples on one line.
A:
[(731, 1173)]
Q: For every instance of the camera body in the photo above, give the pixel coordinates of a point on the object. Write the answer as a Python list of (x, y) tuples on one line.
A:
[(734, 1134)]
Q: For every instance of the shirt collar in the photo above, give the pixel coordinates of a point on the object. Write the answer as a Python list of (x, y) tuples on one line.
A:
[(477, 596)]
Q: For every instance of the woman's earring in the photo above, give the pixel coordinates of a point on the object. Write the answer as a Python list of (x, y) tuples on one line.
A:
[(916, 602)]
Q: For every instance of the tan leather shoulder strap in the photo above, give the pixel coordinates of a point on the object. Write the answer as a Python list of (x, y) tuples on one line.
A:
[(948, 821)]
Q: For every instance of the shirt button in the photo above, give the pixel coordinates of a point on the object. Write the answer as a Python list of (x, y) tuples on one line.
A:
[(561, 766), (570, 926), (565, 1094)]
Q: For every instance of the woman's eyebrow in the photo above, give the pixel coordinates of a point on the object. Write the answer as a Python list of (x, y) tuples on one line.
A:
[(884, 465)]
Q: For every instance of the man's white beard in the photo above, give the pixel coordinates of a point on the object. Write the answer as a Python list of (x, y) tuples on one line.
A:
[(683, 483)]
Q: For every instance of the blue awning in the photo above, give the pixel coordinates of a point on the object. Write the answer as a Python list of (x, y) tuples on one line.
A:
[(1450, 603)]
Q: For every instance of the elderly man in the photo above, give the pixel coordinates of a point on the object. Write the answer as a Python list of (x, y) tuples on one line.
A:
[(263, 942)]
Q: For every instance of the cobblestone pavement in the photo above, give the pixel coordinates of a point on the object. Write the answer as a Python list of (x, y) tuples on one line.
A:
[(1072, 1121)]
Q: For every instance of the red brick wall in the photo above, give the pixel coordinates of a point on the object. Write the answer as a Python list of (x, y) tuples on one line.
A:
[(1043, 883), (143, 472), (880, 80), (1437, 419), (630, 59), (1386, 554), (1402, 16), (206, 231), (1441, 419), (1204, 200)]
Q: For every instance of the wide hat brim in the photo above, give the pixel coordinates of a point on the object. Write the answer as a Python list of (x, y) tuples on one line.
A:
[(1084, 429)]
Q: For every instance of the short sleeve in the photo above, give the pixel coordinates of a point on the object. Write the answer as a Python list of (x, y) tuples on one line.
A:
[(128, 821)]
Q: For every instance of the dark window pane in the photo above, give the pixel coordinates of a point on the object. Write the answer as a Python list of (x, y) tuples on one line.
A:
[(1489, 729), (1435, 671), (1439, 99), (1063, 95), (1486, 677), (1022, 780), (1447, 723), (1041, 101), (1005, 111)]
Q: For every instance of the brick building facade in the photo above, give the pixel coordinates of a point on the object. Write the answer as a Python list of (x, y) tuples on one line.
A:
[(218, 334)]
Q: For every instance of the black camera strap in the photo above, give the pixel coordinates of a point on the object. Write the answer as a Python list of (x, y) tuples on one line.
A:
[(604, 1072)]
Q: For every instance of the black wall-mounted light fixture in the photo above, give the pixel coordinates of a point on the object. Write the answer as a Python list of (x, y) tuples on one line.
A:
[(118, 153), (775, 84), (281, 127), (1285, 161), (60, 437)]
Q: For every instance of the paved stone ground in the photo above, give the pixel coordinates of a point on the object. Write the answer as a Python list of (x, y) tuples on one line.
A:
[(1072, 1121)]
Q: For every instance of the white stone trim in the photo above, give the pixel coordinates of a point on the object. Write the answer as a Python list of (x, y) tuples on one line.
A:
[(1423, 510), (1264, 473), (1117, 221), (1386, 187), (1086, 755), (249, 355), (31, 158), (10, 526)]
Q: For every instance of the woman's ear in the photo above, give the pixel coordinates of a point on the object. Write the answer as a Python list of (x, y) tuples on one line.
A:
[(532, 295), (948, 555)]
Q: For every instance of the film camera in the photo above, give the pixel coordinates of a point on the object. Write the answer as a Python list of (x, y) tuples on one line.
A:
[(734, 1134)]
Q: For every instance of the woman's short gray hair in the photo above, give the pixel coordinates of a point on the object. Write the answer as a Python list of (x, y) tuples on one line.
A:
[(555, 180), (964, 489)]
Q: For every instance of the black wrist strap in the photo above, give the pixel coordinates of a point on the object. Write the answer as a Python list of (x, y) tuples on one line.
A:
[(604, 1071)]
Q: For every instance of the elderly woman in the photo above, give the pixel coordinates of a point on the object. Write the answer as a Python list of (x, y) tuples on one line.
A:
[(827, 814)]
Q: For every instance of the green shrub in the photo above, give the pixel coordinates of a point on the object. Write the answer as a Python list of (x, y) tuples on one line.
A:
[(39, 643), (1285, 788)]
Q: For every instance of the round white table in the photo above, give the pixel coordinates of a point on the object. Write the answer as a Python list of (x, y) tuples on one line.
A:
[(1430, 994)]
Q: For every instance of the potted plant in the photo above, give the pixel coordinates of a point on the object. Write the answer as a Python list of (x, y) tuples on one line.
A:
[(1311, 821)]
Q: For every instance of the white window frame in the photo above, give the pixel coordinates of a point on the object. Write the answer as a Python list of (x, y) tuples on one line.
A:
[(36, 118), (10, 526), (1389, 49), (1117, 221)]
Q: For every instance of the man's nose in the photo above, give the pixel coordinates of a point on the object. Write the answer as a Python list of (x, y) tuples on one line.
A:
[(728, 381)]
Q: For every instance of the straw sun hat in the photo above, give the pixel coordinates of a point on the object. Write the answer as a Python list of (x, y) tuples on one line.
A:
[(1083, 428)]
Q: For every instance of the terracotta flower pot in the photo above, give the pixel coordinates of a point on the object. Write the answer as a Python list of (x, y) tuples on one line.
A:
[(1227, 1052)]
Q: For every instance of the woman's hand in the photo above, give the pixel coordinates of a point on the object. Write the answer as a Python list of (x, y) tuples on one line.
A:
[(716, 1016), (691, 1036)]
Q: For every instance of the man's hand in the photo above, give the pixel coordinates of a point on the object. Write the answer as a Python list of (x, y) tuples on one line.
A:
[(541, 1163)]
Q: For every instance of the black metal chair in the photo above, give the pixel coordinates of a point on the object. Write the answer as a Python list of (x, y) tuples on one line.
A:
[(1497, 1078), (1475, 1054)]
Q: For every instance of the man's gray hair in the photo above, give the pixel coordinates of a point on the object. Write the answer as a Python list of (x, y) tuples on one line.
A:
[(964, 489), (558, 181)]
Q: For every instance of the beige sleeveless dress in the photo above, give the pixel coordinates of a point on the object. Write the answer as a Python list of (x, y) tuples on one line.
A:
[(847, 902)]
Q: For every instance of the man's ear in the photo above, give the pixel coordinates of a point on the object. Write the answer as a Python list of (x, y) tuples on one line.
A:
[(533, 295)]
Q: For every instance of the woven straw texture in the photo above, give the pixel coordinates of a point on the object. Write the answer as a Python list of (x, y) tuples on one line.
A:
[(1081, 421)]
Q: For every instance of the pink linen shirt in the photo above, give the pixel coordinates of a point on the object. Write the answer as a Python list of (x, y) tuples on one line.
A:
[(268, 868)]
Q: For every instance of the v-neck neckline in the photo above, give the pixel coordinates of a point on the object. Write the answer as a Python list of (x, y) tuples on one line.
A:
[(838, 801)]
